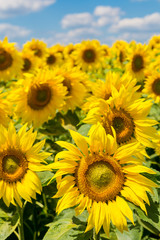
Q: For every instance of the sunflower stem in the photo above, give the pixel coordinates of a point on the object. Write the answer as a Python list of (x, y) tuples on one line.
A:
[(96, 236), (20, 225), (45, 209)]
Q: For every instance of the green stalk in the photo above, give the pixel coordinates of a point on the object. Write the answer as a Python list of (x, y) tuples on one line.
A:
[(20, 225), (96, 236)]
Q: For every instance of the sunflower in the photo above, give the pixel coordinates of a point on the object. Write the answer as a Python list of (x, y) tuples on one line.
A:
[(127, 114), (59, 48), (138, 58), (152, 86), (5, 110), (68, 50), (154, 42), (101, 177), (89, 55), (39, 48), (10, 60), (30, 62), (53, 59), (37, 97), (75, 82), (19, 160), (119, 52), (157, 145), (103, 89), (106, 50)]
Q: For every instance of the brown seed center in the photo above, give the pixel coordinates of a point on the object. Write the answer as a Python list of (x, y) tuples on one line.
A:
[(39, 96), (156, 86), (27, 65), (13, 166), (51, 59), (137, 63), (89, 55), (5, 59)]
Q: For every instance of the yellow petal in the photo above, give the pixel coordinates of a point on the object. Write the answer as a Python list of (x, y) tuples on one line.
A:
[(106, 223), (16, 195), (142, 180), (63, 189), (138, 190), (145, 123), (98, 135), (2, 188), (129, 194), (124, 208), (62, 164), (67, 155), (67, 201), (37, 147), (127, 150), (97, 215), (70, 147), (137, 169), (82, 204), (116, 216), (8, 195), (80, 142), (35, 180), (28, 139), (22, 192), (90, 221)]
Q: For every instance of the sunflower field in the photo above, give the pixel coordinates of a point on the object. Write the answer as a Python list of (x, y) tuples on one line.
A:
[(80, 141)]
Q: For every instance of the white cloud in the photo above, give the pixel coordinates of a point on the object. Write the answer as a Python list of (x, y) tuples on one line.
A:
[(142, 37), (12, 31), (9, 8), (107, 15), (78, 19), (102, 16), (73, 36), (147, 23), (107, 10)]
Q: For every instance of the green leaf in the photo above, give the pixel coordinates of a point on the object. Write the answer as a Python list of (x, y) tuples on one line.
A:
[(59, 230), (155, 112), (68, 227), (45, 177), (152, 221), (83, 130), (135, 232), (112, 236), (8, 224)]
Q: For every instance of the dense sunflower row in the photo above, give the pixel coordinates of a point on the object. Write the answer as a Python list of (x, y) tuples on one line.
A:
[(113, 91)]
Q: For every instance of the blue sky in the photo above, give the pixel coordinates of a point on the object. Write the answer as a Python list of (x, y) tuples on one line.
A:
[(66, 21)]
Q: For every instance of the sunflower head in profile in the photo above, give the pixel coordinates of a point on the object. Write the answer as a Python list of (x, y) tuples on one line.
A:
[(119, 52), (5, 109), (152, 86), (138, 58), (106, 50), (37, 47), (19, 160), (88, 55), (127, 114), (37, 97), (101, 177), (10, 60)]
